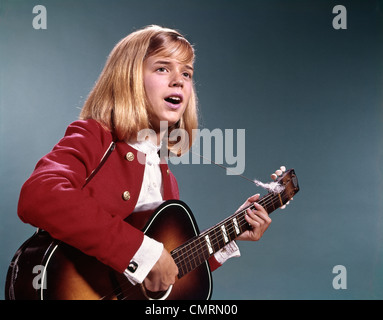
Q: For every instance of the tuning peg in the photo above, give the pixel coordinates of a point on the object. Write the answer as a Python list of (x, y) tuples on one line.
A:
[(278, 172), (284, 206)]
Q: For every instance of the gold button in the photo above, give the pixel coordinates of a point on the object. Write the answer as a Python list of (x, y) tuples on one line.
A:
[(167, 171), (129, 156), (126, 195)]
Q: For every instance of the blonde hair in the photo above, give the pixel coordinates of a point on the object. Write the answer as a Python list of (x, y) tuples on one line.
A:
[(118, 100)]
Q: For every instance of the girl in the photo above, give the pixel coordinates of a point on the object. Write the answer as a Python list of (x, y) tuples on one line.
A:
[(147, 81)]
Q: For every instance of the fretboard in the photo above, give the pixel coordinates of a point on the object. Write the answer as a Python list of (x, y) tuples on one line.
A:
[(200, 248)]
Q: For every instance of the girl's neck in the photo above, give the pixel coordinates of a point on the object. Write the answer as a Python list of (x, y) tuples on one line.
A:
[(159, 137)]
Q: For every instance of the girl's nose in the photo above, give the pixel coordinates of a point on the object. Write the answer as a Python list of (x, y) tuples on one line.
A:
[(177, 81)]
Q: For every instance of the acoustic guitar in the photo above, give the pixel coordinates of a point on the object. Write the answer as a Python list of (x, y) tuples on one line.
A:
[(44, 268)]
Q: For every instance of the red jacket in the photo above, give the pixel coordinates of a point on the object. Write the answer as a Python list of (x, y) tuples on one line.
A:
[(91, 218)]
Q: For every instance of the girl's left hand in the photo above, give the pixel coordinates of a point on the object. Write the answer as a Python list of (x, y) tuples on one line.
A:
[(257, 218)]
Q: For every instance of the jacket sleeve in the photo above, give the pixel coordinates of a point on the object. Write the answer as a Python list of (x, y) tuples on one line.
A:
[(53, 199)]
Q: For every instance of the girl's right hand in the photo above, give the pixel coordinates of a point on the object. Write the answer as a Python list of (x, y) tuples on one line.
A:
[(163, 273)]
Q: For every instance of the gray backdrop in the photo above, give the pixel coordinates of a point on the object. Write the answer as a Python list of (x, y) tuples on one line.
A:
[(309, 97)]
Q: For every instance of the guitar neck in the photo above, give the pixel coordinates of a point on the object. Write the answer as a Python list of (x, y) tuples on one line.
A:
[(200, 248)]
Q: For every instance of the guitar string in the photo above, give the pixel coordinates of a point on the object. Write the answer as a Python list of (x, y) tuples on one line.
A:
[(238, 214), (202, 244), (229, 229), (190, 260), (126, 286)]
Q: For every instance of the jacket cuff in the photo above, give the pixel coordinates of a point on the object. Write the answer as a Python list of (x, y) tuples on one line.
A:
[(229, 251), (143, 260)]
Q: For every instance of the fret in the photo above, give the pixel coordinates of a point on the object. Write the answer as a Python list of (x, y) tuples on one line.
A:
[(180, 262), (216, 235), (230, 229), (203, 253), (194, 255), (195, 251), (240, 219), (243, 224), (269, 204), (186, 252), (219, 237), (266, 205), (186, 257), (275, 202), (192, 262)]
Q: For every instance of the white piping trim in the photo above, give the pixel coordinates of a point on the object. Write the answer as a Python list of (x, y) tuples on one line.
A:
[(44, 272)]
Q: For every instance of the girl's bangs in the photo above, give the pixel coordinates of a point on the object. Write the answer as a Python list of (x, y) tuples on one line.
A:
[(174, 46)]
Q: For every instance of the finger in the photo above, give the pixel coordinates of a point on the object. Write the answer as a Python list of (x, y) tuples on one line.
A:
[(262, 213), (258, 216), (253, 198), (252, 219), (258, 226), (258, 207), (249, 201)]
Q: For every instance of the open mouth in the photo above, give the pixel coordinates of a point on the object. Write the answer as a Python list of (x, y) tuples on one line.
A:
[(174, 99)]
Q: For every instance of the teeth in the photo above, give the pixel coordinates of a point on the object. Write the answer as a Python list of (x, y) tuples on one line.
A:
[(173, 99)]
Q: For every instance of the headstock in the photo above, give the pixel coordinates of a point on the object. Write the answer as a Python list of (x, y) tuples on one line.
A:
[(289, 181)]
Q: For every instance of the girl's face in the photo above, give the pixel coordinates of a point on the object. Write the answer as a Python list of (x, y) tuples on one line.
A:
[(168, 86)]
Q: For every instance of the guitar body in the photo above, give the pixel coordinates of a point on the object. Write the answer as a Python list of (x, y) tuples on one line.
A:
[(46, 269)]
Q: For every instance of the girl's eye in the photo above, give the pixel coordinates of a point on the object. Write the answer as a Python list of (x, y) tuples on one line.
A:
[(161, 69), (187, 75)]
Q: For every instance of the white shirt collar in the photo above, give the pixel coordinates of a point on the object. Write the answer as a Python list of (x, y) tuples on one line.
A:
[(149, 149)]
